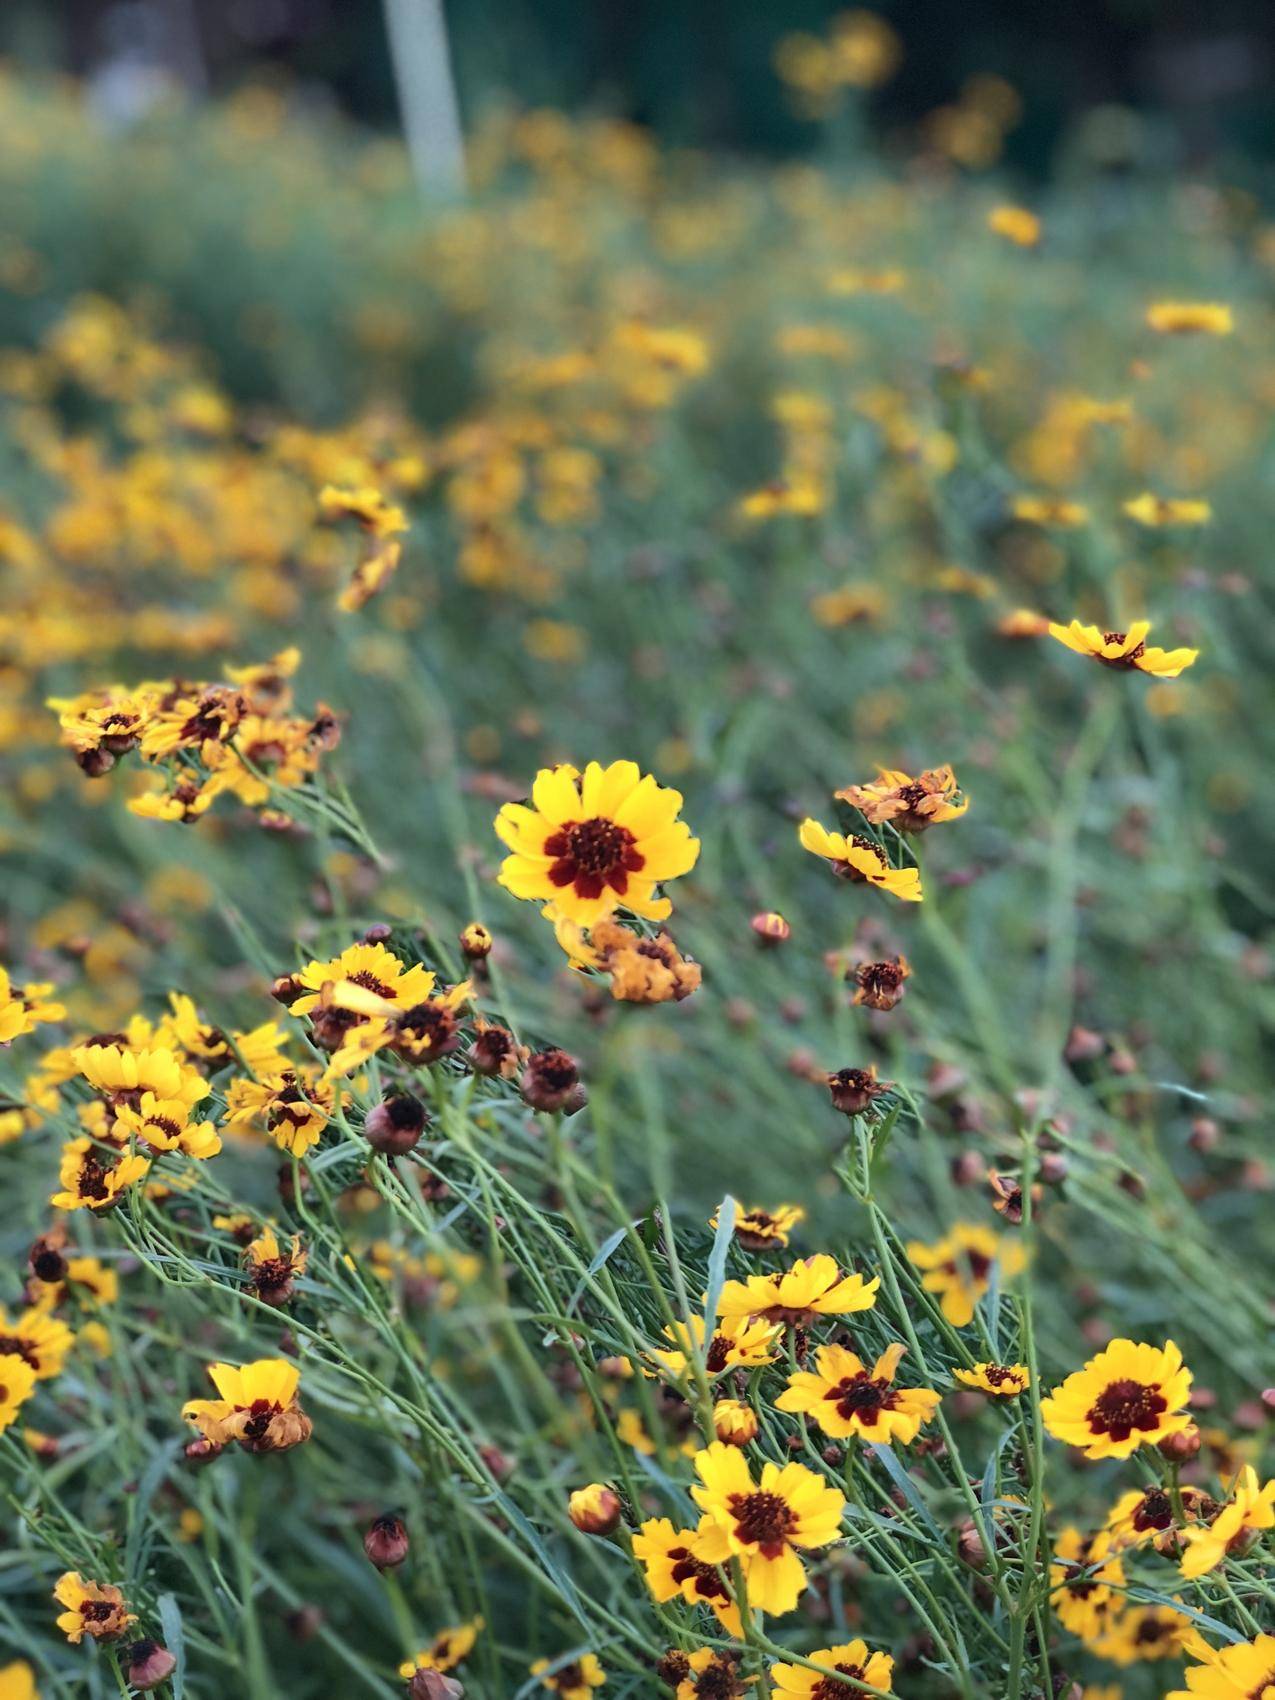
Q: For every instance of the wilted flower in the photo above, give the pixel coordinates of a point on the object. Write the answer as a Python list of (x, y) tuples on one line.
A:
[(258, 1407), (96, 1609)]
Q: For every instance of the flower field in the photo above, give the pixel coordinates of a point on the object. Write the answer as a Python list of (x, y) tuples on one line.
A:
[(637, 978)]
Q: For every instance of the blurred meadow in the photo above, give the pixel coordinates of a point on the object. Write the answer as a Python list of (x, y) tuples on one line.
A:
[(335, 510)]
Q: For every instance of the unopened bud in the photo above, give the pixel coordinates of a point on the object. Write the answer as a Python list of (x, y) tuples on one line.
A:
[(395, 1125), (201, 1451), (1205, 1134), (595, 1510), (1180, 1448), (771, 928), (968, 1168), (475, 942), (149, 1664), (969, 1546), (433, 1685), (46, 1260), (386, 1543), (734, 1422)]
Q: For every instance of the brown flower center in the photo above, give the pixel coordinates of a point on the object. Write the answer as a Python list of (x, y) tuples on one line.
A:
[(763, 1520), (1154, 1512), (859, 1395), (828, 1687), (92, 1181), (19, 1348), (1129, 660), (708, 1584), (365, 977), (1124, 1406), (593, 854)]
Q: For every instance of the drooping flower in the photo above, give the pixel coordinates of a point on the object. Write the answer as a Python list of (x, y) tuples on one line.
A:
[(1126, 651), (1251, 1509), (95, 1609), (1001, 1381), (860, 861), (673, 1571), (764, 1230), (958, 1267), (880, 985), (909, 805), (1245, 1671), (847, 1399), (763, 1523), (272, 1268), (710, 1675), (593, 842), (1128, 1396), (851, 1659), (574, 1681), (448, 1648), (258, 1407), (739, 1342), (814, 1286)]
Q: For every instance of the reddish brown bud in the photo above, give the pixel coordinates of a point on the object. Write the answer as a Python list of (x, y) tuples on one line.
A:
[(1268, 1400), (1083, 1045), (853, 1090), (771, 928), (386, 1543), (476, 942), (395, 1125), (1206, 1135), (304, 1623), (1053, 1169), (1180, 1448), (968, 1168), (433, 1685), (551, 1080), (149, 1664), (287, 989), (201, 1451), (969, 1546), (595, 1510)]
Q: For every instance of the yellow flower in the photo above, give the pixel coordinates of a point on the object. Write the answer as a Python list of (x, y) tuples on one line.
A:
[(370, 967), (21, 1012), (1124, 650), (164, 1124), (367, 506), (1251, 1509), (1245, 1671), (123, 1074), (93, 1180), (258, 1407), (958, 1267), (1015, 224), (1184, 318), (846, 1398), (860, 861), (673, 1571), (17, 1682), (815, 1286), (851, 1658), (764, 1230), (799, 494), (1086, 1574), (291, 1107), (1149, 1632), (43, 1341), (17, 1380), (574, 1681), (740, 1343), (763, 1523), (592, 842), (1054, 511), (1156, 511), (92, 1608), (1127, 1396), (909, 805), (734, 1422), (446, 1650), (1002, 1381)]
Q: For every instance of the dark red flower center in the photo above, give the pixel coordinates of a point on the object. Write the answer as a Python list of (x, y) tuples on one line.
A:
[(365, 977), (828, 1688), (708, 1583), (1155, 1511), (863, 1397), (763, 1520), (92, 1181), (19, 1348), (593, 854), (1129, 660), (1124, 1406)]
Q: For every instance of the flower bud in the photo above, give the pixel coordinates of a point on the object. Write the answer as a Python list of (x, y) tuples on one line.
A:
[(1205, 1134), (853, 1089), (396, 1124), (1181, 1448), (386, 1543), (969, 1546), (735, 1422), (551, 1080), (595, 1510), (46, 1260), (1268, 1400), (433, 1685), (149, 1664), (475, 942), (202, 1451), (771, 928)]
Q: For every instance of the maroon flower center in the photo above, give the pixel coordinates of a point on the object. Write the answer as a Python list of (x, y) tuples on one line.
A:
[(708, 1584), (1155, 1511), (1128, 660), (92, 1182), (260, 1415), (1124, 1406), (998, 1375), (975, 1264), (828, 1688), (19, 1348), (365, 977), (593, 854), (860, 1396), (569, 1677), (763, 1520), (97, 1611)]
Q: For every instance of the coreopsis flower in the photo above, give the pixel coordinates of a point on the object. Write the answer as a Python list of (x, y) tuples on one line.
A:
[(292, 1108), (164, 1124), (1022, 623), (860, 861), (369, 967), (592, 842), (958, 1266), (1128, 1396), (765, 1523), (39, 1338), (1054, 511), (1146, 1632), (574, 1681), (17, 1382), (366, 506), (430, 1030), (1232, 1531), (493, 1051), (272, 1268), (1238, 1672), (96, 1609), (1126, 651), (1188, 318), (813, 1287), (198, 719), (642, 970), (550, 1080), (102, 725), (1157, 511), (798, 494), (673, 1571), (184, 1026), (1016, 225), (448, 1648), (846, 1398), (124, 1075), (739, 1342), (734, 1422), (89, 1281), (475, 942), (258, 1407), (24, 1009), (17, 1682), (764, 1230), (851, 1659), (1147, 1516), (854, 1090), (1084, 1575), (907, 804), (879, 985), (94, 1179), (1000, 1381), (595, 1509)]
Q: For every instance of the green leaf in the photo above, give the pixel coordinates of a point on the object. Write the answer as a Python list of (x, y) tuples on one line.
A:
[(717, 1262), (170, 1618)]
